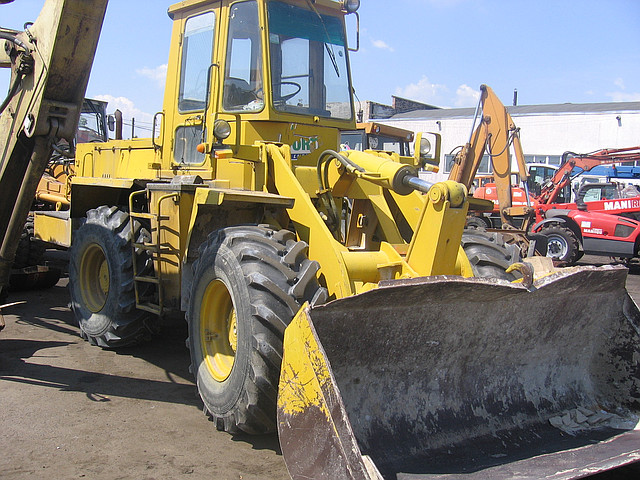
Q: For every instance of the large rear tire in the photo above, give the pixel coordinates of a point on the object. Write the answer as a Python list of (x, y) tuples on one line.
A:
[(248, 284), (30, 250), (489, 255), (101, 279)]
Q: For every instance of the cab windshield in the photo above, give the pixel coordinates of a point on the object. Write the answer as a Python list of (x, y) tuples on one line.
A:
[(309, 72)]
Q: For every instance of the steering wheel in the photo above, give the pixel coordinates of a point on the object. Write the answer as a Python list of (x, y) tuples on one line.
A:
[(286, 98)]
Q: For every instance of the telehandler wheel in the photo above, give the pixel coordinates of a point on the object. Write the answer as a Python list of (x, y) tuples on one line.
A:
[(562, 243), (489, 255), (101, 279), (249, 282), (30, 251)]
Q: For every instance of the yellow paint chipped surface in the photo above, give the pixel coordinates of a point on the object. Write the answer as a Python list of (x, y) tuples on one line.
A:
[(304, 369)]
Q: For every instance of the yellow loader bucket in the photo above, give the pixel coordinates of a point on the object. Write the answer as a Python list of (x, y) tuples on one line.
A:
[(447, 377)]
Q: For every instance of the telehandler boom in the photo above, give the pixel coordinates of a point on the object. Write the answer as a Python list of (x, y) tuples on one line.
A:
[(337, 289)]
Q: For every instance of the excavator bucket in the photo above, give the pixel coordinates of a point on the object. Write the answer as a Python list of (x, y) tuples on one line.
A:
[(456, 378)]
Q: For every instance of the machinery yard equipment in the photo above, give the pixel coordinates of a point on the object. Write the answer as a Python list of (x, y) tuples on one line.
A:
[(600, 227), (605, 225), (337, 288), (494, 133), (53, 194)]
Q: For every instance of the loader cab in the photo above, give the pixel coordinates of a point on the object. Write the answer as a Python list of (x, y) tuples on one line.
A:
[(248, 70), (377, 136), (92, 125)]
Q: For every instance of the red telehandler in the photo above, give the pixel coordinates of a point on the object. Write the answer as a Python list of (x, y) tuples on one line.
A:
[(604, 227), (600, 227)]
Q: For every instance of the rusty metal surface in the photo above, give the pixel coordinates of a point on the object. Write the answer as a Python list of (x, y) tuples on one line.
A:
[(449, 376), (578, 463)]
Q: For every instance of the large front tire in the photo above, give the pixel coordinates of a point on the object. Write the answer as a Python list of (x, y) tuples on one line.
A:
[(489, 255), (248, 284), (101, 279)]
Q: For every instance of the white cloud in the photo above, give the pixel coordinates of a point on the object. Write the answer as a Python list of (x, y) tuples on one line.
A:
[(623, 97), (382, 45), (422, 91), (128, 109), (466, 96), (157, 74)]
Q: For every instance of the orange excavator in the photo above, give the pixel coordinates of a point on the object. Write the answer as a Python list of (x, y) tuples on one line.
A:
[(494, 133)]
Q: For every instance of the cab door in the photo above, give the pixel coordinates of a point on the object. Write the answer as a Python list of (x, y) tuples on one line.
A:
[(192, 78)]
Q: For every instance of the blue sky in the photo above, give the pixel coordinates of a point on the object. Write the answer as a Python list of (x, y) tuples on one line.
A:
[(435, 51)]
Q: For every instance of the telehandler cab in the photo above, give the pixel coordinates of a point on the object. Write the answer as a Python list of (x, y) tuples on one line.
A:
[(337, 288)]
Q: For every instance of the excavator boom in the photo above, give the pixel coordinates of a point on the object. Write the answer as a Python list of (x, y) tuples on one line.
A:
[(495, 134), (50, 64)]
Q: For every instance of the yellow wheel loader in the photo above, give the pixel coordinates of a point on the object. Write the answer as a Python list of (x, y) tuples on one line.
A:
[(337, 289)]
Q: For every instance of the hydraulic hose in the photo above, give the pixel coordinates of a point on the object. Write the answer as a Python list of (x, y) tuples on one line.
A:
[(324, 159), (21, 72), (13, 39)]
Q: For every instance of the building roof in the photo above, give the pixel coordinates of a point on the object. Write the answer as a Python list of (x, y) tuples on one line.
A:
[(521, 110)]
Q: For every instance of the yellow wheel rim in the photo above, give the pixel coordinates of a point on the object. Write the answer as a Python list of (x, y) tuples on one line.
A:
[(218, 330), (94, 278)]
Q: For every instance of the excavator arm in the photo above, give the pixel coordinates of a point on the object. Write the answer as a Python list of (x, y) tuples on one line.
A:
[(50, 63), (494, 135)]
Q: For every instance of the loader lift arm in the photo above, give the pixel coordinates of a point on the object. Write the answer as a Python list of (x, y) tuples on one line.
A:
[(50, 64)]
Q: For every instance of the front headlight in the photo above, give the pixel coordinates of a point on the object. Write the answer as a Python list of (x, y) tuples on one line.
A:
[(350, 6), (221, 129), (425, 147)]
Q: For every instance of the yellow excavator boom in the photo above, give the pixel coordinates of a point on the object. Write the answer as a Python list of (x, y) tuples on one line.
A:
[(496, 135), (50, 63)]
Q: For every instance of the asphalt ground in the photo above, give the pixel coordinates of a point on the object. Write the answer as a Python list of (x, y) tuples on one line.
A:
[(71, 410)]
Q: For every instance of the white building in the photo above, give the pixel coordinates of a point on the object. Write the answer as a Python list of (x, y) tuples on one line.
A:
[(546, 131)]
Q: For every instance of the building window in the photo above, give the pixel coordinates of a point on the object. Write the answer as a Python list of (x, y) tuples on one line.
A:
[(546, 159), (485, 167)]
